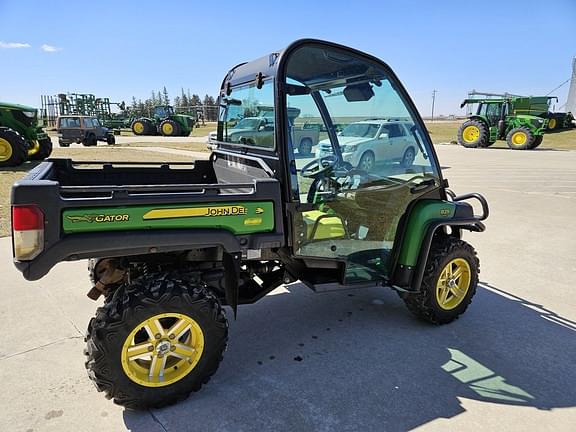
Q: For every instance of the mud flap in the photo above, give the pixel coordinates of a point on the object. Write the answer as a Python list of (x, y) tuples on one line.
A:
[(231, 264)]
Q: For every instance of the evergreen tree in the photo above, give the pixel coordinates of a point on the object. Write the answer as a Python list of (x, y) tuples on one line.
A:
[(196, 101), (185, 100), (209, 100), (165, 96)]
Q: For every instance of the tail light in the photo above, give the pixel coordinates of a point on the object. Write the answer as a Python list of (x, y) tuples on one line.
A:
[(27, 232)]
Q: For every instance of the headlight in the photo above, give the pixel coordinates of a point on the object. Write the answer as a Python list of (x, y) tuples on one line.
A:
[(29, 114), (348, 148)]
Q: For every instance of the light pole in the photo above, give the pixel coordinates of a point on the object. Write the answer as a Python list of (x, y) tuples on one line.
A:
[(433, 100)]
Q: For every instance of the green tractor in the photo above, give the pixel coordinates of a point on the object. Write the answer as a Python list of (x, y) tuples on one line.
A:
[(21, 136), (501, 118), (165, 122)]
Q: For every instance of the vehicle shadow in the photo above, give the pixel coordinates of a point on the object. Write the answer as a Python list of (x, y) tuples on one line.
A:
[(25, 167), (357, 360)]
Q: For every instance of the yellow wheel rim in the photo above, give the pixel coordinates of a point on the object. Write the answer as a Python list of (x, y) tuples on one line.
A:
[(552, 123), (34, 149), (138, 127), (5, 150), (167, 129), (471, 133), (519, 138), (162, 349), (453, 284)]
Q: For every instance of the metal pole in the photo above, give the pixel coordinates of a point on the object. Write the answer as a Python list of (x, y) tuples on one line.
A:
[(433, 100)]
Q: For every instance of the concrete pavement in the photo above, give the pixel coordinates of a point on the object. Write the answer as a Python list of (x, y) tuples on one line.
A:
[(352, 360)]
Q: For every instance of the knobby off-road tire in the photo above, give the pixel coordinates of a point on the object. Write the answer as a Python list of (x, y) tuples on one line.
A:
[(447, 255), (520, 138), (473, 134), (124, 340), (13, 148), (45, 149)]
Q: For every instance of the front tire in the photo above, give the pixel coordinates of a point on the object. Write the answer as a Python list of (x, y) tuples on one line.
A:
[(110, 139), (408, 158), (170, 128), (13, 148), (449, 283), (156, 341), (367, 162), (473, 134), (520, 138)]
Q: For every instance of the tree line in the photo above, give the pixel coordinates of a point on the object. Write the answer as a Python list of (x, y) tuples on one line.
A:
[(185, 102)]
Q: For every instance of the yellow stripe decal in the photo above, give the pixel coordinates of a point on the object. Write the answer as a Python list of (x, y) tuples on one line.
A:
[(195, 212)]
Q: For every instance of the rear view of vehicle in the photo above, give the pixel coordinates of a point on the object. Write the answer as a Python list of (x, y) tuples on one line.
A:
[(83, 130)]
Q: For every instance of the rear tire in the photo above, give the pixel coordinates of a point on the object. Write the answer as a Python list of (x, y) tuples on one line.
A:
[(473, 134), (45, 149), (520, 138), (440, 302), (135, 315), (13, 148)]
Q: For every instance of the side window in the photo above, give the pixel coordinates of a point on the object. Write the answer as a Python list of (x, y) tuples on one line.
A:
[(395, 131), (247, 117)]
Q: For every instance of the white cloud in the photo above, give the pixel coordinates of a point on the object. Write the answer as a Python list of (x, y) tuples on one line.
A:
[(50, 48), (11, 45)]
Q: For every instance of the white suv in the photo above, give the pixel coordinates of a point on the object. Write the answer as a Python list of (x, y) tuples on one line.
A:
[(369, 142)]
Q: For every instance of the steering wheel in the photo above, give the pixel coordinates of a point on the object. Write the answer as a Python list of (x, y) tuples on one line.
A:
[(319, 166)]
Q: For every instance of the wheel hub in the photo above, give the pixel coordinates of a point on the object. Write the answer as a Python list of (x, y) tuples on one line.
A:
[(163, 347)]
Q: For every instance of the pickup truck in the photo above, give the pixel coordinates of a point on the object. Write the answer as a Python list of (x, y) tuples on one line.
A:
[(259, 131)]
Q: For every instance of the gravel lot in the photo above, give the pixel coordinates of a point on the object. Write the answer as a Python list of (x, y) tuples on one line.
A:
[(508, 364)]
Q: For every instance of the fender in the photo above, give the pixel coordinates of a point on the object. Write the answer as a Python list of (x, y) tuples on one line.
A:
[(423, 222)]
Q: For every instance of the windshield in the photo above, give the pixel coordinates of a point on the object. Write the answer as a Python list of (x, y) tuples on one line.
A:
[(247, 124), (163, 111), (360, 130)]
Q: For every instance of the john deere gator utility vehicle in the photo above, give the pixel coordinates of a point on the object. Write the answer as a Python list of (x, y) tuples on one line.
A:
[(21, 136), (499, 119), (170, 244), (164, 122)]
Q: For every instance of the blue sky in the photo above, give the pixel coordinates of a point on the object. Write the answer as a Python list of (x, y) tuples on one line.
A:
[(123, 48)]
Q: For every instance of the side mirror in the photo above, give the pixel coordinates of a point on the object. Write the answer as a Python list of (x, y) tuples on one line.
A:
[(261, 128), (383, 136)]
